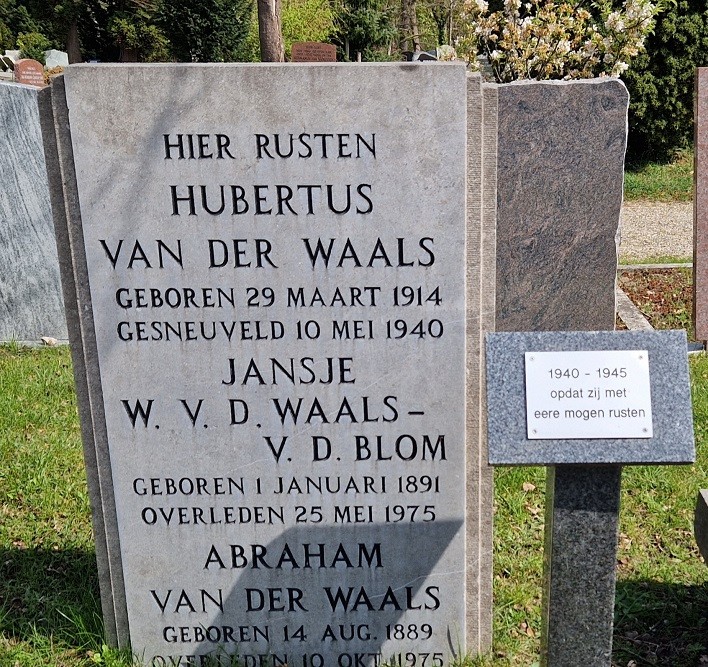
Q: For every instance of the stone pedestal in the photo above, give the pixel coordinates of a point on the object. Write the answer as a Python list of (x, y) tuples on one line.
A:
[(582, 511)]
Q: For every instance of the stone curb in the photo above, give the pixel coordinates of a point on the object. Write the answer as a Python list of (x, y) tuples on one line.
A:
[(640, 267), (630, 314)]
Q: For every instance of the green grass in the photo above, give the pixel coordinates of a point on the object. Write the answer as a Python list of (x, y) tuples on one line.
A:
[(671, 182), (657, 259), (49, 609)]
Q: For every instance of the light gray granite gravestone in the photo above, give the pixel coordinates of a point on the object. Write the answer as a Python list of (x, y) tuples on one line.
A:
[(276, 314), (584, 403), (30, 289), (561, 166), (54, 58)]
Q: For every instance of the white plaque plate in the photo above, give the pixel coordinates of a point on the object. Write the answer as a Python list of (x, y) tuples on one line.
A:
[(586, 395)]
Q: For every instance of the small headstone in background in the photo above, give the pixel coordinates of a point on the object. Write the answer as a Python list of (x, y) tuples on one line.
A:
[(700, 205), (29, 72), (700, 525), (561, 162), (31, 304), (54, 58), (13, 53), (7, 67), (313, 52)]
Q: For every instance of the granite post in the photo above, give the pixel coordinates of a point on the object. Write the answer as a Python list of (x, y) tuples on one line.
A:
[(580, 554), (700, 205)]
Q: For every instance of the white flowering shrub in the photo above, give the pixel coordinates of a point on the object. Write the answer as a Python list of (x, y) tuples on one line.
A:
[(556, 40)]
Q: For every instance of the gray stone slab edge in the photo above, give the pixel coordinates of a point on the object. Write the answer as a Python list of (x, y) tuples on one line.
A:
[(630, 314), (54, 118), (582, 528), (479, 504), (488, 316), (700, 524)]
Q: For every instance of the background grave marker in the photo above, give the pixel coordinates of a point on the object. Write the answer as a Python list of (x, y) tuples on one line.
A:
[(701, 523), (313, 52), (700, 205), (30, 289), (29, 72)]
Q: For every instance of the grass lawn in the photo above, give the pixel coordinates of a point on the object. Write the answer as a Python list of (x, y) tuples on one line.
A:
[(661, 182), (49, 610)]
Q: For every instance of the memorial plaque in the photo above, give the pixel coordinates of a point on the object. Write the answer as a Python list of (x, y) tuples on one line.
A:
[(272, 356), (313, 52), (588, 394), (30, 72), (591, 397)]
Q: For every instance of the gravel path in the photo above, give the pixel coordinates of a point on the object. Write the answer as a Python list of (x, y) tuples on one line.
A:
[(656, 229)]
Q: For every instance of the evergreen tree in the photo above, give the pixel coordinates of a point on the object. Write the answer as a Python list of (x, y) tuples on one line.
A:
[(206, 30), (367, 27)]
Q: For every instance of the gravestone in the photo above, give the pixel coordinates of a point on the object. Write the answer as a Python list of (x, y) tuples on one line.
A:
[(700, 524), (584, 404), (54, 58), (700, 205), (313, 52), (280, 391), (31, 303), (561, 166), (30, 72)]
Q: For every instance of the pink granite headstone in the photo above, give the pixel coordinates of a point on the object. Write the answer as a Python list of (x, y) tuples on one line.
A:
[(314, 52), (700, 206), (29, 72)]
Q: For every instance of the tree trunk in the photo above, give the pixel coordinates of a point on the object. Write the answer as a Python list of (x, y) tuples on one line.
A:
[(409, 26), (270, 31), (413, 21), (73, 47), (405, 44)]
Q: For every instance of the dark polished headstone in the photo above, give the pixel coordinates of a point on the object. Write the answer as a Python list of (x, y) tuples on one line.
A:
[(700, 525)]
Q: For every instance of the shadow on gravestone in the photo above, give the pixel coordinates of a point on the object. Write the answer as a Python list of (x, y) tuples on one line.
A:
[(373, 590), (31, 304), (559, 195)]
